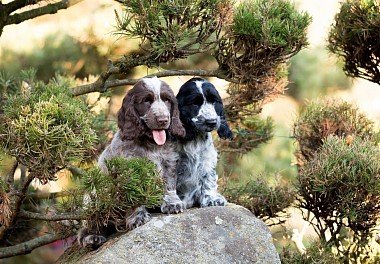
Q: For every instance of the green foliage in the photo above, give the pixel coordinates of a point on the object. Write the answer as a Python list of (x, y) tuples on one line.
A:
[(262, 35), (3, 186), (130, 183), (312, 73), (60, 54), (323, 118), (44, 127), (340, 185), (172, 29), (316, 253), (355, 38), (252, 132), (261, 198), (272, 24)]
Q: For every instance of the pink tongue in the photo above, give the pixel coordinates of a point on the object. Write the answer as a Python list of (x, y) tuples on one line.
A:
[(159, 136)]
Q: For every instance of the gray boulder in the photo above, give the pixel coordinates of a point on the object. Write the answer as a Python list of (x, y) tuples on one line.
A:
[(220, 235)]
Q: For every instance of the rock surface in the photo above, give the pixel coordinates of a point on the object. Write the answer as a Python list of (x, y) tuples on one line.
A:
[(220, 235)]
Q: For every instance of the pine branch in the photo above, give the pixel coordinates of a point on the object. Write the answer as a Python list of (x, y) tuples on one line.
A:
[(17, 197), (17, 4), (11, 175), (95, 87), (27, 247), (45, 217), (40, 11), (47, 195)]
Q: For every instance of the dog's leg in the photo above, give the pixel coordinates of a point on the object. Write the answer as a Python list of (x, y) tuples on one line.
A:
[(172, 203), (138, 217), (89, 237), (210, 195)]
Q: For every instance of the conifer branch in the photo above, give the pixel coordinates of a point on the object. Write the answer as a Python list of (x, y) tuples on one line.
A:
[(17, 4), (97, 87), (11, 174), (45, 217), (40, 11), (28, 246)]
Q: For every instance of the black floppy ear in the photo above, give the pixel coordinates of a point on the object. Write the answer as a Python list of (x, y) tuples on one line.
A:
[(224, 131), (128, 120), (176, 128)]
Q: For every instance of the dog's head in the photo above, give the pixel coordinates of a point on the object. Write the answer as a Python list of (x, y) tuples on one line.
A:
[(149, 110), (201, 109)]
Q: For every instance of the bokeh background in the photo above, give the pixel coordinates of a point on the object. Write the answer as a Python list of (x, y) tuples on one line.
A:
[(78, 41)]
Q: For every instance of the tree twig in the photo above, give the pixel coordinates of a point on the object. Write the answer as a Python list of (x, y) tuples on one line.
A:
[(11, 175), (17, 4), (47, 195), (45, 217), (40, 11), (17, 197), (27, 247), (94, 87)]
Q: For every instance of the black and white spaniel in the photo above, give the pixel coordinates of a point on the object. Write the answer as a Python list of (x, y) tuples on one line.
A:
[(201, 111), (147, 120)]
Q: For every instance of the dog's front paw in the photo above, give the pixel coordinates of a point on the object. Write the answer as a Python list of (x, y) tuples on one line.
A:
[(213, 200), (139, 217), (172, 204), (92, 240)]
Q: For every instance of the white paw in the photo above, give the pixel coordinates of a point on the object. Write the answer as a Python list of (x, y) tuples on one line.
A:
[(93, 240), (213, 200), (172, 204), (138, 218)]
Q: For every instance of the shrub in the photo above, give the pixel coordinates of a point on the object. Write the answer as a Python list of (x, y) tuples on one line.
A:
[(261, 198), (130, 183), (323, 118), (44, 127), (258, 27), (355, 37), (340, 186), (249, 134), (316, 253), (172, 29)]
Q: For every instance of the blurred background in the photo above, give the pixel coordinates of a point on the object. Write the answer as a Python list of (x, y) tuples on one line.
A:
[(78, 41)]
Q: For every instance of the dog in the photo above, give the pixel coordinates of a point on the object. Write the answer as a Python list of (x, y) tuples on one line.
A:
[(148, 118), (201, 111)]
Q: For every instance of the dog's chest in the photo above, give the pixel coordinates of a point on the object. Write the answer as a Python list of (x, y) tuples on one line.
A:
[(198, 157)]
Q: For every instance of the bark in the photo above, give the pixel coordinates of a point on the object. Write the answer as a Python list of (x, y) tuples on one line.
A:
[(27, 247)]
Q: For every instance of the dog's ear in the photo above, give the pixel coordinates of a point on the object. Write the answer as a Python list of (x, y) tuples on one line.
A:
[(176, 128), (128, 120), (224, 130)]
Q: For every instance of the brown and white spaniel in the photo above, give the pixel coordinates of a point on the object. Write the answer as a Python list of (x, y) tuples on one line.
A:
[(147, 120)]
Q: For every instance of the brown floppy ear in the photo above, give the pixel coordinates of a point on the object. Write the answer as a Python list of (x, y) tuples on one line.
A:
[(176, 128), (128, 120)]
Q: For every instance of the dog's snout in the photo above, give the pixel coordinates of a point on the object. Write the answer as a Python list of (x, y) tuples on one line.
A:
[(162, 120), (211, 122)]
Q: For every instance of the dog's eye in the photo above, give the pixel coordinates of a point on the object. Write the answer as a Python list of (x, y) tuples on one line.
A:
[(197, 101), (148, 100), (166, 100)]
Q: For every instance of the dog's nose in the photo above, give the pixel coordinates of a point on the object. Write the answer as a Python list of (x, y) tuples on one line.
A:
[(162, 120), (210, 122)]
